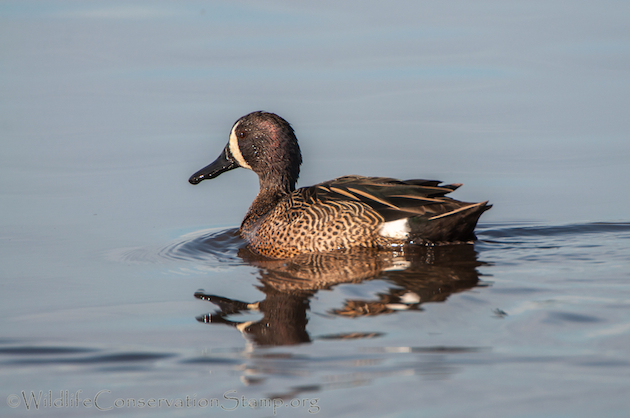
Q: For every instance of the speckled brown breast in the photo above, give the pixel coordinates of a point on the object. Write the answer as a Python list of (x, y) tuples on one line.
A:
[(295, 226)]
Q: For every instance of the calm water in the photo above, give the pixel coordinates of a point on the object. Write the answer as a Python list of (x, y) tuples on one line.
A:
[(127, 289)]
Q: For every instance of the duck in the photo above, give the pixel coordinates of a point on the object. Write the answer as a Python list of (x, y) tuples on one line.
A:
[(345, 213)]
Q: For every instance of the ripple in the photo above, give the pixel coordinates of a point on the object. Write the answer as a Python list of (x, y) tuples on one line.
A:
[(126, 357), (43, 355), (562, 317), (553, 230), (580, 241), (207, 245), (221, 246), (46, 350), (210, 246)]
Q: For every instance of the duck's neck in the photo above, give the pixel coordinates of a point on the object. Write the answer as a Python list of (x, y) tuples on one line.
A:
[(267, 199)]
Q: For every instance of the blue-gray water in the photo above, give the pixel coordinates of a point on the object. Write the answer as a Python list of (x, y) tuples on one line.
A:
[(106, 109)]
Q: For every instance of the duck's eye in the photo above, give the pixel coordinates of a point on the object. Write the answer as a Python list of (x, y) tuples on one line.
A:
[(242, 134)]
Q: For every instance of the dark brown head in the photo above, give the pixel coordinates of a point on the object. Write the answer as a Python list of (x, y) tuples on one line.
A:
[(266, 144)]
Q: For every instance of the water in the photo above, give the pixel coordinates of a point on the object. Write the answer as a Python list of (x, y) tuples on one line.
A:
[(121, 281)]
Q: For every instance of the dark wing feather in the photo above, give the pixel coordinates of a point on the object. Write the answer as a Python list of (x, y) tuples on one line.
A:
[(391, 198)]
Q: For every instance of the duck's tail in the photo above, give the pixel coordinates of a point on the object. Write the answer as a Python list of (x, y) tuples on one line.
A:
[(457, 225)]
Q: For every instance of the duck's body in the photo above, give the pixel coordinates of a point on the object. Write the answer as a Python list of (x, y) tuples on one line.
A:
[(347, 212)]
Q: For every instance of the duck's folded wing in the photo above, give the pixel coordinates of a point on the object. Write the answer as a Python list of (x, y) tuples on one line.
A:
[(391, 198)]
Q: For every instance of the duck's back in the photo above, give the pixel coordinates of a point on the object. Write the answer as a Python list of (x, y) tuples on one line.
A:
[(356, 211)]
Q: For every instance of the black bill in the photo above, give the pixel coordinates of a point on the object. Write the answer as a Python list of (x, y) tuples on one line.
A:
[(224, 163)]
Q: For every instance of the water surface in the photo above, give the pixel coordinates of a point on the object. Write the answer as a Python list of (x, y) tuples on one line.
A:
[(124, 287)]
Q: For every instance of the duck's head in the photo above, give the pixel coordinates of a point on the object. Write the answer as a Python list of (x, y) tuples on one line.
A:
[(266, 144)]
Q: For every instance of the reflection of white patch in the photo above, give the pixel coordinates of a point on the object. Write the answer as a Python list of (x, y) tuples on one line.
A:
[(235, 150), (398, 229), (397, 306), (410, 298), (398, 265)]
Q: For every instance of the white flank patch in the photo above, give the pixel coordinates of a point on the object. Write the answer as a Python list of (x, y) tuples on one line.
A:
[(236, 150), (398, 229)]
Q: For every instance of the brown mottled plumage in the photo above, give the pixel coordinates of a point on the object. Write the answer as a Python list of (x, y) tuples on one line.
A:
[(347, 212)]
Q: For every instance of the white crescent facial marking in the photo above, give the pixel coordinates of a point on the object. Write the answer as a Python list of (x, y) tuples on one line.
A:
[(235, 150)]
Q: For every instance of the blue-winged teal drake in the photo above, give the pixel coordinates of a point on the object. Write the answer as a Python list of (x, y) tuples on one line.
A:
[(347, 212)]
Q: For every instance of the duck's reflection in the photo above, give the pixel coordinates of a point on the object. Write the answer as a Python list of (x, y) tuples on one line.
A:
[(418, 276)]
